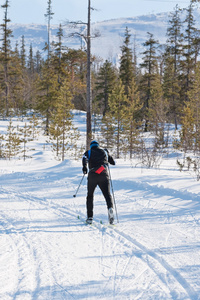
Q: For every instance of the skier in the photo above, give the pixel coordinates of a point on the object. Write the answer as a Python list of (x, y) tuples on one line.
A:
[(97, 159)]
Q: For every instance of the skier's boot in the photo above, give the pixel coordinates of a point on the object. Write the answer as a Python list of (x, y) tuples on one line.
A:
[(110, 215), (89, 220)]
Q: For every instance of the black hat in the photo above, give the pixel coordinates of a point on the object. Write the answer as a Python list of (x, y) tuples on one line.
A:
[(94, 143)]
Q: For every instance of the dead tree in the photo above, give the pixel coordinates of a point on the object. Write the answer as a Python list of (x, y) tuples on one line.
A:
[(87, 37)]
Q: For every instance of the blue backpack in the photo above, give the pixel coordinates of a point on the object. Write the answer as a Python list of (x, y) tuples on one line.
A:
[(89, 154)]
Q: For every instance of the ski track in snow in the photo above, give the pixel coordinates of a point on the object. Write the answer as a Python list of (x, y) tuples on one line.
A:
[(145, 254), (38, 277), (48, 253)]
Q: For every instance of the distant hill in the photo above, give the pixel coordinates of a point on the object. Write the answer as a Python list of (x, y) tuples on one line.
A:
[(107, 46), (112, 33)]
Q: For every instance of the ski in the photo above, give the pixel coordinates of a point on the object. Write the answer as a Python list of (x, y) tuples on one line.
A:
[(85, 221), (96, 223)]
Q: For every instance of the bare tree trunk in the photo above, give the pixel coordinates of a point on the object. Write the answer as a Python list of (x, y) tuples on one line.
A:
[(89, 123), (6, 53), (48, 15)]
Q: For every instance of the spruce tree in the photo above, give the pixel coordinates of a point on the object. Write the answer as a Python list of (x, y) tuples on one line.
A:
[(132, 119), (34, 125), (58, 54), (175, 38), (32, 74), (62, 132), (107, 131), (17, 81), (2, 104), (31, 63), (48, 81), (150, 66), (48, 88), (194, 105), (6, 55), (76, 64), (12, 141), (117, 102), (23, 53), (38, 62), (49, 15), (188, 63), (57, 59), (2, 154), (158, 109), (127, 69), (172, 71), (25, 133), (187, 130), (104, 84)]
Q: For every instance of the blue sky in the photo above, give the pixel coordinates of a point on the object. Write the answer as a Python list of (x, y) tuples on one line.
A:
[(32, 11)]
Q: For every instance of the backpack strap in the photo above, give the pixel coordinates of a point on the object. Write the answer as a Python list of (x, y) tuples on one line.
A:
[(89, 153)]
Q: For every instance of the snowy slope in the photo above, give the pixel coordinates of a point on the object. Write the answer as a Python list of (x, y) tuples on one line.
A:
[(47, 252), (107, 46)]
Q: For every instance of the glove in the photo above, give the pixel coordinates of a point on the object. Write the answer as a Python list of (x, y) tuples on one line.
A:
[(84, 170), (111, 160)]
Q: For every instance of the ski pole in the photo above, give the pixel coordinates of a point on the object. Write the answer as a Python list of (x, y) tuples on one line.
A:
[(113, 194), (79, 186)]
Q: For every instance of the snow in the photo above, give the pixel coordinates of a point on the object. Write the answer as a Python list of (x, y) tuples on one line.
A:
[(107, 46), (47, 252)]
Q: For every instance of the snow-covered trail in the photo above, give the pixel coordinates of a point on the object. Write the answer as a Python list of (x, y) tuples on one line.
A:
[(46, 252)]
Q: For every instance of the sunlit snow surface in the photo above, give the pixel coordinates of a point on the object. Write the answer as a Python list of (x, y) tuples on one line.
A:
[(47, 252)]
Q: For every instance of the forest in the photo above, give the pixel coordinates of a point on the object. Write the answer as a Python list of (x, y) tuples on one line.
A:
[(127, 101)]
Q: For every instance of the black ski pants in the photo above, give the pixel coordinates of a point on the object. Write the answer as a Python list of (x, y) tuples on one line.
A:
[(102, 180)]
